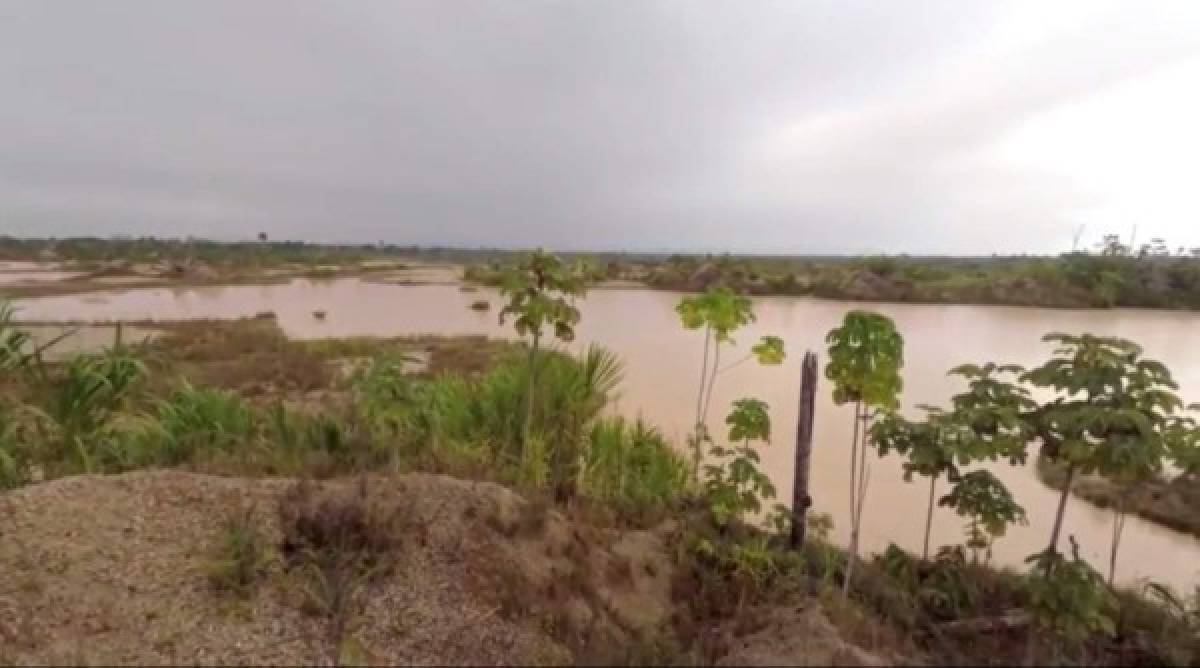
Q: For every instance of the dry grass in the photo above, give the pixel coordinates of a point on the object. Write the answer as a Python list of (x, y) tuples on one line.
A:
[(241, 555), (254, 358)]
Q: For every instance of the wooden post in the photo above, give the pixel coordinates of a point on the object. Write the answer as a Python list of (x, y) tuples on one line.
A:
[(801, 501)]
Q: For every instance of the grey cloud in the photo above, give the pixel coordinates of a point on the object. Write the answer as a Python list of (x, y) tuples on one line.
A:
[(574, 124)]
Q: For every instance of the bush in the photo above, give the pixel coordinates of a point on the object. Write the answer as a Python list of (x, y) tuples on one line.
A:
[(190, 421), (77, 406), (451, 421)]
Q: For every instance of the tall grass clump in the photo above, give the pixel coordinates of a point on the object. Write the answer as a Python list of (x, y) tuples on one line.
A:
[(453, 421), (13, 341), (320, 444), (188, 422), (75, 408), (631, 465)]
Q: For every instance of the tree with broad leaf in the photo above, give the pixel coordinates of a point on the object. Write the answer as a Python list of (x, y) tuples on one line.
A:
[(989, 507), (927, 446), (1112, 415), (719, 312), (985, 423), (541, 293), (992, 412), (866, 354), (1183, 441), (733, 484)]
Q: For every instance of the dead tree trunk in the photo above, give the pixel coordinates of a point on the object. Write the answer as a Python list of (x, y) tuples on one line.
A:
[(801, 501)]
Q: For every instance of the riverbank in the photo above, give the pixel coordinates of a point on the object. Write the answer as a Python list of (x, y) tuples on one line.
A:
[(1173, 503), (1149, 279), (1074, 280), (127, 276)]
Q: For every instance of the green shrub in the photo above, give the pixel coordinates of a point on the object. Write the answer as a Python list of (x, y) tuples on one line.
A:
[(631, 465), (188, 422), (194, 419), (477, 419), (76, 408)]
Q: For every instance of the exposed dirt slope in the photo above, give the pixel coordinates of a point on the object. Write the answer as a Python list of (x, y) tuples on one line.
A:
[(114, 569)]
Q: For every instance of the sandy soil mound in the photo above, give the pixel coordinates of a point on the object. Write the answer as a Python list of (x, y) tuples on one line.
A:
[(113, 569), (116, 569)]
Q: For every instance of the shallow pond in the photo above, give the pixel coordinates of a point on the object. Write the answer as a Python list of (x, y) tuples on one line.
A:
[(663, 366)]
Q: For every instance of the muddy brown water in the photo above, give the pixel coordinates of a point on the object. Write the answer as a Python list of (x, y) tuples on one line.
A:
[(662, 372)]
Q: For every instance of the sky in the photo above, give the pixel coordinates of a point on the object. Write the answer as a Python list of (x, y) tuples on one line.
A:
[(842, 126)]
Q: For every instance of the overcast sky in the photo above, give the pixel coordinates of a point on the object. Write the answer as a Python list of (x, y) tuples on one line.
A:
[(840, 126)]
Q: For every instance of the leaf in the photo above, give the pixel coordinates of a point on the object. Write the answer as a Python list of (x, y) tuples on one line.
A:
[(866, 354), (769, 350), (749, 420)]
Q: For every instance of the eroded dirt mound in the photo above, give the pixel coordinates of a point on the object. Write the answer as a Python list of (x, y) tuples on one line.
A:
[(798, 637), (114, 569), (119, 569)]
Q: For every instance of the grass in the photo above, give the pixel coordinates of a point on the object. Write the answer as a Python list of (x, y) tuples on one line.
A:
[(240, 398), (241, 555), (631, 466), (187, 423), (475, 424)]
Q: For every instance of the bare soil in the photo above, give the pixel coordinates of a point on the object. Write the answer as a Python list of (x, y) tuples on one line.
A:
[(115, 570)]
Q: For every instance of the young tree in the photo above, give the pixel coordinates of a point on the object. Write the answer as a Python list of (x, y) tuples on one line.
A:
[(733, 484), (1067, 596), (540, 292), (720, 312), (866, 354), (985, 423), (1112, 415), (928, 447), (1183, 441), (992, 412), (987, 504)]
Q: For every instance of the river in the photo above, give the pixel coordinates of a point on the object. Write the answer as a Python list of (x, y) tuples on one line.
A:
[(662, 363)]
